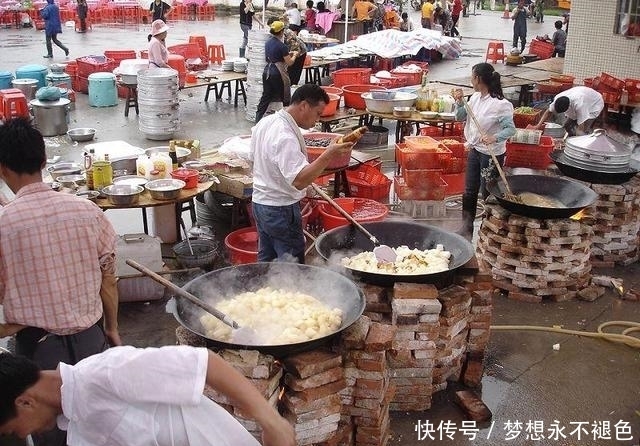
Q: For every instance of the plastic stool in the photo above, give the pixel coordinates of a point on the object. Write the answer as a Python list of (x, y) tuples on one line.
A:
[(15, 105), (201, 41), (495, 52), (216, 54), (132, 98)]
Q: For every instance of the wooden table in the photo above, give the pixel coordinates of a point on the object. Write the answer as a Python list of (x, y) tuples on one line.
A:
[(554, 65), (416, 118), (316, 43), (222, 80), (145, 201)]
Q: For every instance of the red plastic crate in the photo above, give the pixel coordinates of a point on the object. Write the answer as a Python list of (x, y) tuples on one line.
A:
[(348, 76), (435, 191), (522, 120), (430, 130), (609, 96), (455, 165), (409, 78), (541, 48), (612, 83), (368, 182), (409, 158), (632, 85), (94, 64), (455, 183), (120, 55), (422, 178), (453, 143), (530, 155), (82, 85)]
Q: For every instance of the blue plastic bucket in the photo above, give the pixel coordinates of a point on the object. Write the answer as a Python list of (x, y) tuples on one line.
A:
[(5, 79), (59, 80), (102, 90), (33, 72)]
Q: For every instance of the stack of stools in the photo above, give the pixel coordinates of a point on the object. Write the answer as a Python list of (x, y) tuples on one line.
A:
[(201, 41), (14, 104), (495, 52)]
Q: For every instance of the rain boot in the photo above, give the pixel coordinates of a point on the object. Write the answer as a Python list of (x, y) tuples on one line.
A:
[(469, 207), (242, 51)]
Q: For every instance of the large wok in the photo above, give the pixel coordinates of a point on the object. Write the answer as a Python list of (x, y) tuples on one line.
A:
[(597, 176), (325, 285), (346, 241), (573, 195)]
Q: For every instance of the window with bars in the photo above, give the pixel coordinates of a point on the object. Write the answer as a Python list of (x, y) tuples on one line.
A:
[(628, 18)]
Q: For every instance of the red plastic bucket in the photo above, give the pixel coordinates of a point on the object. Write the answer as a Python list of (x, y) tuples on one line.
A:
[(242, 245), (363, 210)]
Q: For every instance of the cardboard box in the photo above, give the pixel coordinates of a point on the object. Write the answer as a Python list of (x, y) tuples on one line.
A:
[(235, 184)]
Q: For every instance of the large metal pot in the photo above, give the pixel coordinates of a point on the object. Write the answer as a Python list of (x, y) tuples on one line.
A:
[(325, 285), (573, 195), (51, 116), (599, 175), (27, 86), (346, 241)]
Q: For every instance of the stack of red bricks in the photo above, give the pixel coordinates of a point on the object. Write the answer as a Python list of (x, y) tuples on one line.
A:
[(454, 330), (532, 258), (311, 400), (364, 347), (416, 314), (616, 225)]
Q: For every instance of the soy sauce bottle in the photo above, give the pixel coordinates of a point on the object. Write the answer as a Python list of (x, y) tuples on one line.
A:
[(173, 155)]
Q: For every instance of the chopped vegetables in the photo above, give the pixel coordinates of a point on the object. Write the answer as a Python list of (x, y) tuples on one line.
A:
[(525, 111)]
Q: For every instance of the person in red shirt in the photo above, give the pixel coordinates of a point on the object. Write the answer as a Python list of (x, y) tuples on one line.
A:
[(456, 9)]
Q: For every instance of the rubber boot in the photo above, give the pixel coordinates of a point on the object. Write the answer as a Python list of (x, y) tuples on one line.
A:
[(469, 207), (242, 51)]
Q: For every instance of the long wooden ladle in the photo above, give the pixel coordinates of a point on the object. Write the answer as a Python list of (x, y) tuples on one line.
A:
[(383, 253)]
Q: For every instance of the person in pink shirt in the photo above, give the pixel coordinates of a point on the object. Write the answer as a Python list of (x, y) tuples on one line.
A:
[(158, 53), (57, 263), (310, 16)]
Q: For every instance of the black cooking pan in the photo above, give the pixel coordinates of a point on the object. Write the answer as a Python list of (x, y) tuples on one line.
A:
[(599, 176), (327, 286), (346, 241), (573, 195)]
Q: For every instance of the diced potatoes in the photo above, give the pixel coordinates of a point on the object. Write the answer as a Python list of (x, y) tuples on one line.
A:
[(408, 261), (278, 317)]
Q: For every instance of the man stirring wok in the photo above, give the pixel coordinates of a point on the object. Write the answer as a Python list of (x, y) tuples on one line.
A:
[(281, 173), (128, 396), (581, 106)]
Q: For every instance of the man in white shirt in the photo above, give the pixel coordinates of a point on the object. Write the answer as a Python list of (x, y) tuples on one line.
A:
[(581, 106), (128, 396), (293, 16), (282, 173)]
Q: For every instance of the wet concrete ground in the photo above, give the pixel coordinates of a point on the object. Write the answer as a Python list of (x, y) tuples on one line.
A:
[(586, 380)]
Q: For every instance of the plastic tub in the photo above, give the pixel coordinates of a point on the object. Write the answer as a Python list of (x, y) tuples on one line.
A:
[(314, 152), (242, 245), (332, 90), (350, 76), (33, 71), (102, 90), (363, 210), (5, 79), (331, 108), (353, 92), (189, 176)]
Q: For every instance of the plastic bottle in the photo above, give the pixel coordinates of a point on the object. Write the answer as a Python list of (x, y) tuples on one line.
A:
[(89, 159)]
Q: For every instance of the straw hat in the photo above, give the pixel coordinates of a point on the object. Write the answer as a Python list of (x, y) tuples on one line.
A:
[(158, 27)]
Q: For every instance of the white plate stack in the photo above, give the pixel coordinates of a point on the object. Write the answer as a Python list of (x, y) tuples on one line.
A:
[(257, 62), (158, 103), (554, 130), (240, 65), (227, 65)]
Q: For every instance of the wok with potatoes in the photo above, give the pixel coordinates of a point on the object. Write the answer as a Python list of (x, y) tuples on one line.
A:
[(542, 196)]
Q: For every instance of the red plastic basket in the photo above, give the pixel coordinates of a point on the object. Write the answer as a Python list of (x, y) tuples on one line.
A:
[(430, 130), (530, 155), (436, 190), (347, 76), (409, 158), (522, 120), (455, 183), (120, 55), (368, 182), (422, 178), (453, 143), (82, 85), (541, 48), (632, 85), (609, 96), (94, 64), (409, 78), (612, 83)]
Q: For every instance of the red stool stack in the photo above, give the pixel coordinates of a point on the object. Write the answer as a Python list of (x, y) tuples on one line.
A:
[(201, 41), (216, 54), (14, 104), (495, 52)]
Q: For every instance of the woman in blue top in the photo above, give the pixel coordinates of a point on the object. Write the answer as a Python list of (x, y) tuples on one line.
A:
[(276, 85), (52, 27)]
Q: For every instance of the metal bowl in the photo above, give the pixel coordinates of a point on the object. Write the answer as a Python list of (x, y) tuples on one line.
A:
[(122, 194), (60, 169), (429, 114), (403, 112), (82, 134), (91, 195), (447, 116), (165, 189), (72, 181), (401, 99), (384, 95), (131, 180), (181, 152)]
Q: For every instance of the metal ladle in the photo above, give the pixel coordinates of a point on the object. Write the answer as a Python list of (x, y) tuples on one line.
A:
[(383, 253)]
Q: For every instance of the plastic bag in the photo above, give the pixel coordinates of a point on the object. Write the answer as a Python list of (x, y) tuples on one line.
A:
[(48, 94)]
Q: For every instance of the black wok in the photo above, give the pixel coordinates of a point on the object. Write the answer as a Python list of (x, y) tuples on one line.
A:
[(573, 195), (346, 241), (600, 176), (325, 285)]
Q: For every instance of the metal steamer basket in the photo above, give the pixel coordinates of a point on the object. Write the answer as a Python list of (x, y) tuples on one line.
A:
[(597, 151)]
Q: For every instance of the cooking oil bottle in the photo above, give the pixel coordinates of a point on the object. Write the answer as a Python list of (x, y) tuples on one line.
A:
[(89, 159), (422, 101)]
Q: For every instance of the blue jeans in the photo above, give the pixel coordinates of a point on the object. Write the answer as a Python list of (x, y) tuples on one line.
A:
[(280, 235), (480, 169), (245, 34)]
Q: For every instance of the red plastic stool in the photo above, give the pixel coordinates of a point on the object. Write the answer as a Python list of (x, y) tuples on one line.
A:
[(495, 52), (201, 41), (15, 105), (216, 54)]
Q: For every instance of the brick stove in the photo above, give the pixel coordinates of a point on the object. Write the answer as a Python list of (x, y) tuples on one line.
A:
[(531, 258), (410, 342), (616, 216)]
